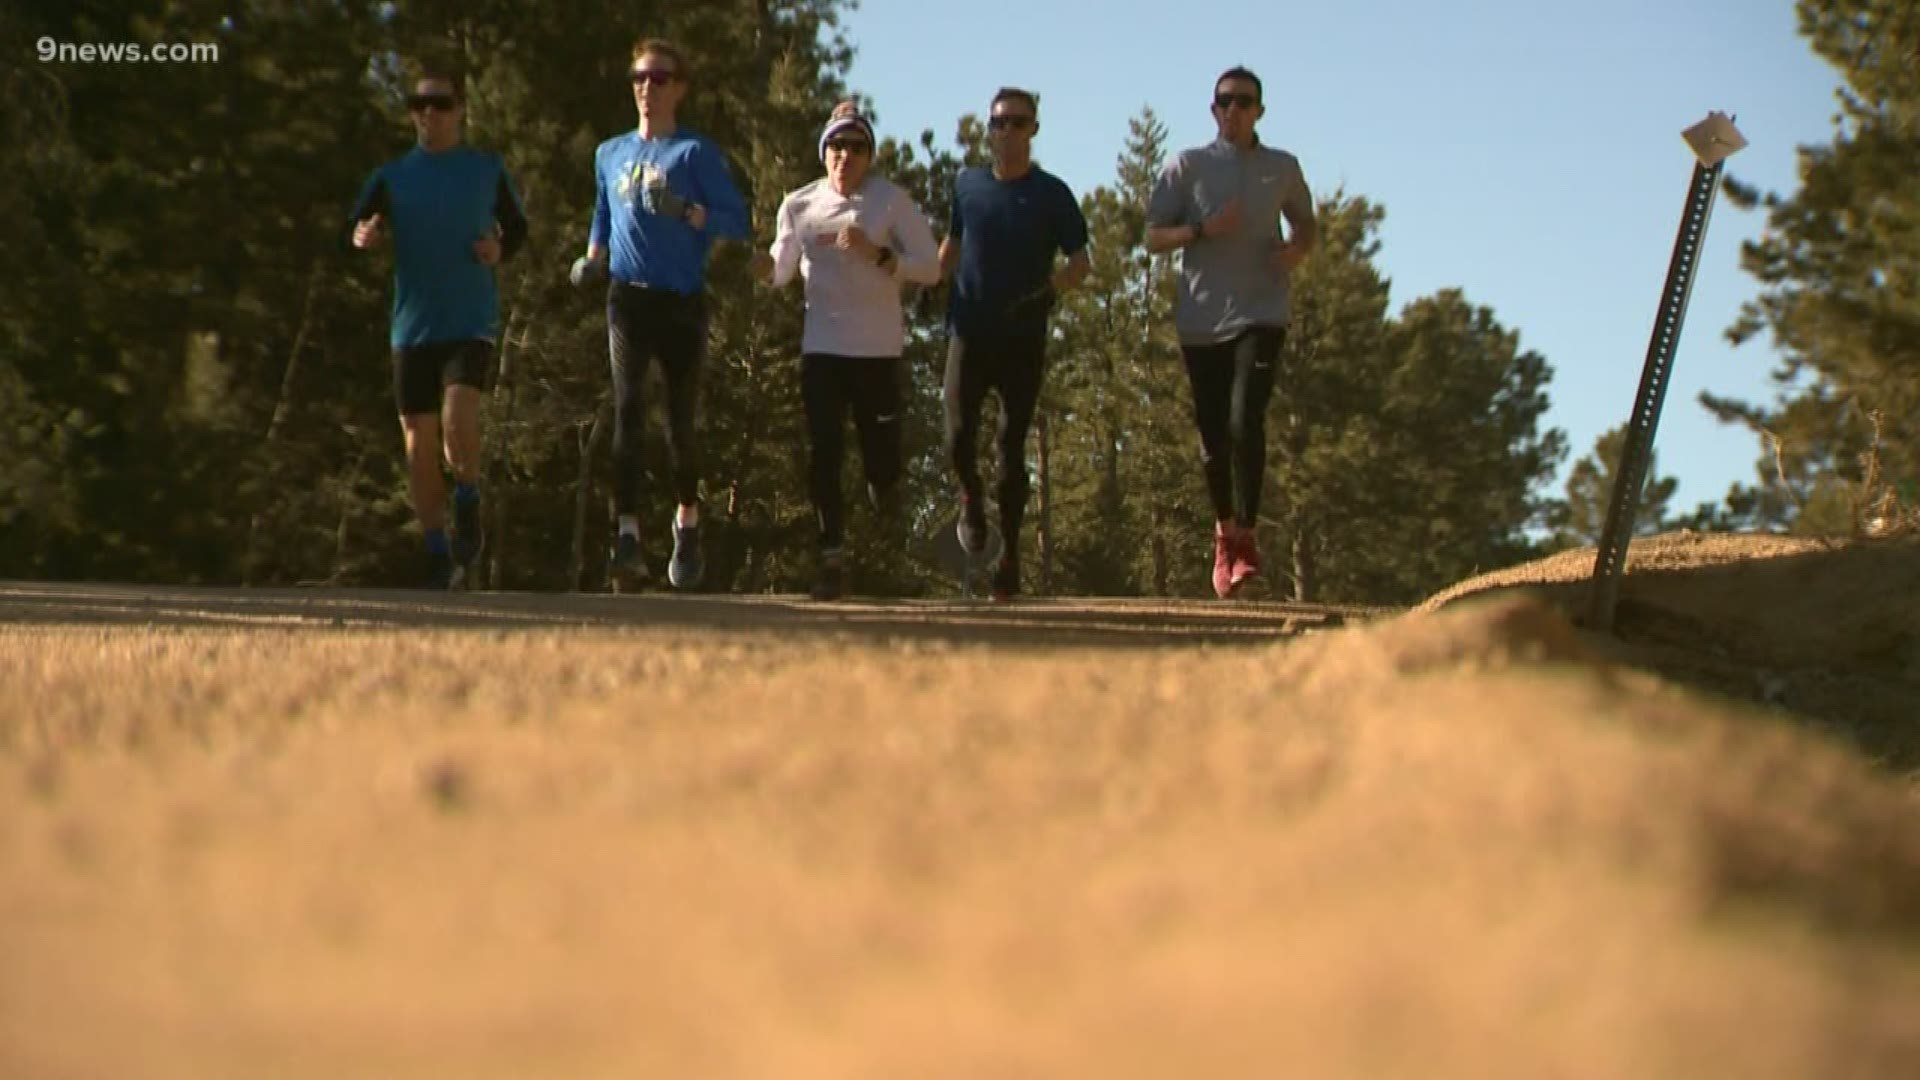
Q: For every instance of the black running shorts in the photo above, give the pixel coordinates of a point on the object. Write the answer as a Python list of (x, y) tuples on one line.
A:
[(420, 371)]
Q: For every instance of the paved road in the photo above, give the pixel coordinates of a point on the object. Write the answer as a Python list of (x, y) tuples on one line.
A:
[(1065, 622)]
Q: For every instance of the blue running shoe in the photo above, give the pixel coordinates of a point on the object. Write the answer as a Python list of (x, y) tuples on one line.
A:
[(469, 538), (442, 571), (686, 568), (832, 582), (627, 569)]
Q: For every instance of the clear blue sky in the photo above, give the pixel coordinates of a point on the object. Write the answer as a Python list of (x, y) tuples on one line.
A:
[(1527, 151)]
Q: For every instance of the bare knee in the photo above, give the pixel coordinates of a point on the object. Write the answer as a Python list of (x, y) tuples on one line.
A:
[(461, 427), (422, 434)]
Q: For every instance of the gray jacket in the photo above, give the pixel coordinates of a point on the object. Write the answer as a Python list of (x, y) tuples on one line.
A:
[(1227, 283)]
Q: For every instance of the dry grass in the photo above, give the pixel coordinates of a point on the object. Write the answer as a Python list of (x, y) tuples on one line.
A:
[(1824, 629), (1450, 845)]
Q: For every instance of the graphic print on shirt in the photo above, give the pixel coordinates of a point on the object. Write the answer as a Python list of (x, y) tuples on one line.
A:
[(639, 185)]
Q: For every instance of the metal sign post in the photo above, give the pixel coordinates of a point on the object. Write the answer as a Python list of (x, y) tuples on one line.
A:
[(1713, 140)]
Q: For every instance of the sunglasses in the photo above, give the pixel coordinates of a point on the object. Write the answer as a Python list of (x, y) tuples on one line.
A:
[(850, 146), (1017, 123), (656, 76), (423, 102), (1224, 102)]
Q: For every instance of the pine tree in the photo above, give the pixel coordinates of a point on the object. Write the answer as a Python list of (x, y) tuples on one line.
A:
[(1839, 269), (1579, 519), (1129, 514), (196, 376), (1324, 429), (1407, 451)]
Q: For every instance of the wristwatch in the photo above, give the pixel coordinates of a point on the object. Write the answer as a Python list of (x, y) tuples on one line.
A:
[(1199, 232)]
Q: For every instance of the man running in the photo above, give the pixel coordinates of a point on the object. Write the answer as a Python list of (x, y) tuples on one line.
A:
[(854, 237), (1221, 205), (1008, 223), (454, 215), (664, 193)]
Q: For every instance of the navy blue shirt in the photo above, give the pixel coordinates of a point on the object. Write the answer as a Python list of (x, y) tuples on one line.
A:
[(437, 203), (648, 245), (1009, 232)]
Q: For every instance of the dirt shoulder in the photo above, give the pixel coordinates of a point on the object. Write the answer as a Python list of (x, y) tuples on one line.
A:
[(1827, 631)]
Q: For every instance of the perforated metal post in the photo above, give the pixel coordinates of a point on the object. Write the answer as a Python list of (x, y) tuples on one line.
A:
[(1713, 140)]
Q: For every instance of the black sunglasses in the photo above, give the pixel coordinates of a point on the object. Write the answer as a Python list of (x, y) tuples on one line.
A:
[(850, 146), (1228, 101), (423, 102), (656, 76), (1017, 123)]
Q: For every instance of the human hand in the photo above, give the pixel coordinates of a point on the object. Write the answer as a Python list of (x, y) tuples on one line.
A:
[(486, 251), (1226, 221), (1285, 256), (369, 232), (852, 238), (587, 270), (661, 200)]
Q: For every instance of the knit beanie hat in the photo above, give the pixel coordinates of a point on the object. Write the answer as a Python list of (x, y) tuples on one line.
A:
[(846, 117)]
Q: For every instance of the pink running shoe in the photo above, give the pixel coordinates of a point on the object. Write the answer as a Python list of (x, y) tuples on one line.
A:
[(1246, 558), (1223, 559)]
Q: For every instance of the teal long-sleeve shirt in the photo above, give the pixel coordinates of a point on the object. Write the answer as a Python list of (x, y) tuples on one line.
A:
[(436, 204)]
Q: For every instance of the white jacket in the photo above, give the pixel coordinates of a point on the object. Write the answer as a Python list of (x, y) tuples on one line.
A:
[(853, 306)]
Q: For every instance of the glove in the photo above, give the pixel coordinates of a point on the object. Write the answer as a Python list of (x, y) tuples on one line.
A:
[(586, 272), (661, 200)]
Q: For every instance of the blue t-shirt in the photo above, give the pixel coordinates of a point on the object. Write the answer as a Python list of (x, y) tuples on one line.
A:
[(1009, 232), (436, 204), (649, 247)]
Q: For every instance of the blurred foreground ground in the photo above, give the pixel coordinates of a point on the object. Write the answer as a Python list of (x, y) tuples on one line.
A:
[(356, 834)]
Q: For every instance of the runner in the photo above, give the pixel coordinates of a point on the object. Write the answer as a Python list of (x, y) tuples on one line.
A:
[(854, 237), (454, 215), (1221, 205), (1008, 223), (664, 194)]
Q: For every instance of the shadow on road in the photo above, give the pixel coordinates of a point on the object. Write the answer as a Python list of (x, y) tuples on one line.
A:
[(1039, 622)]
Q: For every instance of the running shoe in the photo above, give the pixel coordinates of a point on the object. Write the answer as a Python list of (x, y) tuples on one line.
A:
[(686, 568), (1006, 578), (1224, 550), (832, 582), (441, 571), (468, 535), (627, 570), (1246, 558)]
